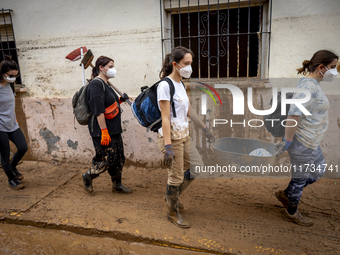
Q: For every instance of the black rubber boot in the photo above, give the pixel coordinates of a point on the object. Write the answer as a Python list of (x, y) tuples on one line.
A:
[(87, 181), (117, 185), (15, 184), (174, 215), (180, 205), (17, 174), (186, 181)]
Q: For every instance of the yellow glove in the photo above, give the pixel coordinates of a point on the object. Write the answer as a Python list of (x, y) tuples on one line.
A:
[(106, 138)]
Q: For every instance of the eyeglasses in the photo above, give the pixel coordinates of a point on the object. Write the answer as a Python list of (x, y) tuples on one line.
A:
[(13, 76)]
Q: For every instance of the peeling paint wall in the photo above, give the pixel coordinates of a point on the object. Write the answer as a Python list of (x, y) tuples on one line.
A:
[(53, 134), (127, 31)]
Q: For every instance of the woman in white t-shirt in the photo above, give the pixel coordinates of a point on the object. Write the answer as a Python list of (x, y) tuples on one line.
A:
[(173, 136)]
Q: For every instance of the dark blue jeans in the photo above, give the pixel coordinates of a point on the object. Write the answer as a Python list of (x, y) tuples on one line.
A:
[(18, 138), (307, 167)]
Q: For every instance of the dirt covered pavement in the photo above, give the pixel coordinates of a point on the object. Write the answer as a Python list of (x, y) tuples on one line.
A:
[(227, 216)]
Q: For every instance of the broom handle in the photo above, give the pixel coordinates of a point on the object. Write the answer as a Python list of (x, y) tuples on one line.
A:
[(119, 92), (82, 65), (116, 89)]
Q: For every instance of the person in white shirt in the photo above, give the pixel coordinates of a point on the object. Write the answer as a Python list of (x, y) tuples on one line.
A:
[(173, 137)]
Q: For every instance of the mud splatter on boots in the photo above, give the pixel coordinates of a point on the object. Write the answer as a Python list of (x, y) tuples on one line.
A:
[(174, 215), (87, 181), (186, 181), (117, 185)]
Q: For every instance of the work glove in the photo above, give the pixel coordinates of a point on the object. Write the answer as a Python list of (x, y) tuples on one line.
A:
[(281, 147), (169, 156), (106, 138), (123, 98), (209, 135)]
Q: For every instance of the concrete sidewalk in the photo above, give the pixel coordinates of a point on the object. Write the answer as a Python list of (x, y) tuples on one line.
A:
[(228, 216)]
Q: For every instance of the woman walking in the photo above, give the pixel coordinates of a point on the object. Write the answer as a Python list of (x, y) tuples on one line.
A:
[(303, 141), (105, 127), (9, 128), (173, 136)]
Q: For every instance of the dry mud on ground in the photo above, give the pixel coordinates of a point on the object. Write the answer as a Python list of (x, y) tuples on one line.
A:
[(29, 240), (227, 216)]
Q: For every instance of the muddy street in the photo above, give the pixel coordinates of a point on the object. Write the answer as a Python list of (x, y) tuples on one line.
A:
[(54, 215), (16, 239)]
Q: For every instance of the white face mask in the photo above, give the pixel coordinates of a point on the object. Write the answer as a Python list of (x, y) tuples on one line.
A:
[(10, 80), (330, 74), (185, 72), (111, 73)]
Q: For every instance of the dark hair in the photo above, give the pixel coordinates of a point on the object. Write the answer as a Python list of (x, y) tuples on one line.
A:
[(321, 57), (176, 55), (101, 61), (7, 65)]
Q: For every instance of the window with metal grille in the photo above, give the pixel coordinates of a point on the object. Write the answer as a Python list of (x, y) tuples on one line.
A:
[(7, 38), (230, 38)]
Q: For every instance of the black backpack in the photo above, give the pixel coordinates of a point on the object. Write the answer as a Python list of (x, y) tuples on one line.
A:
[(275, 127), (145, 107)]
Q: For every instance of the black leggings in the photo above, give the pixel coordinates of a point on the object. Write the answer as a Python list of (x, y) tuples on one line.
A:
[(18, 138)]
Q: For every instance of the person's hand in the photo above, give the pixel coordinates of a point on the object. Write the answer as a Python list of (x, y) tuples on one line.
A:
[(281, 147), (209, 135), (169, 156), (106, 138), (124, 97)]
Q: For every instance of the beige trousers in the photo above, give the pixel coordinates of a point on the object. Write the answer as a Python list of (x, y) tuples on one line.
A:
[(185, 154)]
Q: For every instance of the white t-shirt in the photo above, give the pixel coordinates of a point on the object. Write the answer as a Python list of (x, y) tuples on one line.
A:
[(180, 124)]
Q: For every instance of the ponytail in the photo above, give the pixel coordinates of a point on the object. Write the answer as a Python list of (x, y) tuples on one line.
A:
[(305, 67), (176, 55), (321, 57), (95, 72), (167, 67)]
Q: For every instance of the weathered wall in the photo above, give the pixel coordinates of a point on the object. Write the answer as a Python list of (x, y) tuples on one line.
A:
[(53, 134), (299, 29), (127, 31)]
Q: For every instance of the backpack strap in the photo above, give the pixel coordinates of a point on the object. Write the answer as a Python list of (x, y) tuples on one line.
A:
[(92, 116), (99, 79), (172, 92)]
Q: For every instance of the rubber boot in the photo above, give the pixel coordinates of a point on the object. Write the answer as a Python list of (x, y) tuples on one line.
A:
[(186, 181), (117, 185), (180, 205), (174, 215), (87, 181)]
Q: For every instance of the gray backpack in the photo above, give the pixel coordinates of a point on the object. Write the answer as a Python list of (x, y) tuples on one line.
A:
[(81, 109)]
